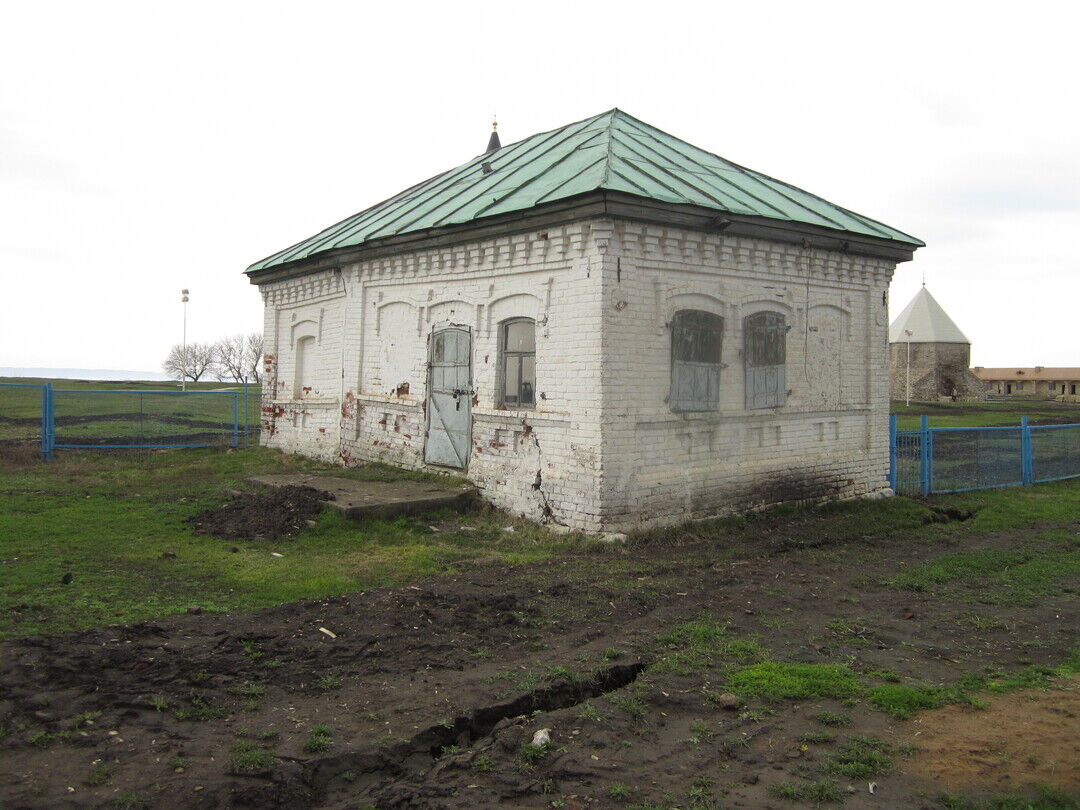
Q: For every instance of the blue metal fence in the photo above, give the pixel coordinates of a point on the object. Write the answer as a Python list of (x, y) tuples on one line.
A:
[(930, 459), (69, 418)]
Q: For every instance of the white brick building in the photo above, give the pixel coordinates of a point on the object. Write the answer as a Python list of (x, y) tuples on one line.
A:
[(601, 326)]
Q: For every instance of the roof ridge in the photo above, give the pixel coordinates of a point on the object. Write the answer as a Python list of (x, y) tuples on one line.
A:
[(612, 151)]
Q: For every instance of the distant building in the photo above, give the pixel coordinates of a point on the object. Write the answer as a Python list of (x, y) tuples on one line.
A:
[(929, 355), (1039, 381)]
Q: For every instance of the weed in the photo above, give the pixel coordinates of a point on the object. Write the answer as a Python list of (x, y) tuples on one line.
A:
[(126, 801), (775, 681), (449, 750), (159, 703), (483, 763), (610, 654), (274, 663), (618, 791), (561, 673), (327, 682), (251, 690), (41, 739), (482, 653), (201, 710), (814, 792), (319, 740), (533, 753), (178, 762), (631, 705), (700, 732), (859, 757), (818, 737), (700, 794), (100, 774), (84, 719), (250, 758), (590, 712), (251, 649), (834, 719)]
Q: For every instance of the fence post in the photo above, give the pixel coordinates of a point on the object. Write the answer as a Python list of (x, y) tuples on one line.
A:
[(926, 456), (1027, 462), (892, 451), (235, 418), (48, 424), (245, 414)]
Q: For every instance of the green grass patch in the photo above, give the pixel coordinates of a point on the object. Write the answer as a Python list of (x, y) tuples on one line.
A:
[(1045, 798), (984, 414), (860, 757), (703, 644), (100, 774), (904, 700), (995, 576), (250, 758), (820, 792), (108, 519), (319, 739), (774, 680)]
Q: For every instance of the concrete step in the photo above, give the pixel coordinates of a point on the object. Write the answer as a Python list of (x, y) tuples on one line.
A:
[(377, 499)]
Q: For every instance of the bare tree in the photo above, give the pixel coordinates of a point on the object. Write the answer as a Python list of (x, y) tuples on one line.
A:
[(253, 352), (231, 358), (191, 364)]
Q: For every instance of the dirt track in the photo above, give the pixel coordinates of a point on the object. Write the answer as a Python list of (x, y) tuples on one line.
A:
[(432, 692)]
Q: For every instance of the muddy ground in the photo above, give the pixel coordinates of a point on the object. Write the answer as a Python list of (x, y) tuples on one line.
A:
[(428, 696), (274, 515)]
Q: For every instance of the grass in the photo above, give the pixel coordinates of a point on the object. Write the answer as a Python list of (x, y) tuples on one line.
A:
[(1044, 799), (108, 518), (820, 792), (251, 758), (827, 718), (981, 414), (904, 700), (703, 644), (995, 576), (860, 757), (775, 680), (319, 740), (101, 774)]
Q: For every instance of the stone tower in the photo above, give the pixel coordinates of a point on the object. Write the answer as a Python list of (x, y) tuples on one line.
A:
[(925, 342)]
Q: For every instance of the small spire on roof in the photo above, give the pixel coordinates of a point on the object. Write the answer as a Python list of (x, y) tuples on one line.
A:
[(493, 142)]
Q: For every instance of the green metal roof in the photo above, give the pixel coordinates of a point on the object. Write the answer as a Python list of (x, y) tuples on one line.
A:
[(612, 151)]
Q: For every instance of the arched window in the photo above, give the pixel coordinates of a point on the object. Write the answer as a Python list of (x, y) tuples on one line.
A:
[(765, 354), (517, 363), (696, 346), (304, 373)]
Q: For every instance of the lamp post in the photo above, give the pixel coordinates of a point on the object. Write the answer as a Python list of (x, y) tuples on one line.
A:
[(907, 375), (183, 349)]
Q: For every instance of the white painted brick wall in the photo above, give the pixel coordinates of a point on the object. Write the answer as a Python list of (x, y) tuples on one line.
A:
[(610, 453)]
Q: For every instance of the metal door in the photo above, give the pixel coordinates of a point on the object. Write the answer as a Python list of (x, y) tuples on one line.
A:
[(449, 406)]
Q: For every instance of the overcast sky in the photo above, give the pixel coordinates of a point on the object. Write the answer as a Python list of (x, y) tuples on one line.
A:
[(150, 146)]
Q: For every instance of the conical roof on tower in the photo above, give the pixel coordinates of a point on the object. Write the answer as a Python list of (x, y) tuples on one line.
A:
[(927, 322)]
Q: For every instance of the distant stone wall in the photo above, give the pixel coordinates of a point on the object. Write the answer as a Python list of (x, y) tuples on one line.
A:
[(937, 370)]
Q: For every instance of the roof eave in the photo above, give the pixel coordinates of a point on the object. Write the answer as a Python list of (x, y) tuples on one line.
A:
[(599, 203)]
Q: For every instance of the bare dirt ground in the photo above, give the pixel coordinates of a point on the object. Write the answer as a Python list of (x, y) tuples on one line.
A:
[(429, 696)]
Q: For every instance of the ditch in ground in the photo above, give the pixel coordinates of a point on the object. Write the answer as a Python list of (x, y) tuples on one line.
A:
[(864, 654)]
